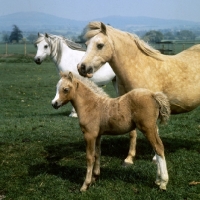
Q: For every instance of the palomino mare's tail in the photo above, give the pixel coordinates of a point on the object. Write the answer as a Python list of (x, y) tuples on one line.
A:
[(164, 106)]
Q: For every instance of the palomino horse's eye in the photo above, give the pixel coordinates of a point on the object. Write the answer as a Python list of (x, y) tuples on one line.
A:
[(46, 46), (100, 46)]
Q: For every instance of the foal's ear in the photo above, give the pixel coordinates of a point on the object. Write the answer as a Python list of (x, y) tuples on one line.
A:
[(39, 34), (103, 28), (70, 76)]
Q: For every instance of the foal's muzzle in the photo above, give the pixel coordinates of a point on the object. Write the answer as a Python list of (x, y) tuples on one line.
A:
[(55, 105)]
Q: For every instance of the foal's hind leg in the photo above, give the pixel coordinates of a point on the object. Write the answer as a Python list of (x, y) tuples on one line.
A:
[(162, 173), (132, 148)]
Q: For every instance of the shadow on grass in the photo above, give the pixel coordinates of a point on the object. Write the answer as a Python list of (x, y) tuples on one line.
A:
[(74, 167)]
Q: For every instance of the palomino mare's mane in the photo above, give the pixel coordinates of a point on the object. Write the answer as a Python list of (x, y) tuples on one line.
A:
[(94, 28), (90, 84), (55, 43)]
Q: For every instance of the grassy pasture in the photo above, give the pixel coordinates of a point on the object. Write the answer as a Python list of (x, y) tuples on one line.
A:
[(42, 152)]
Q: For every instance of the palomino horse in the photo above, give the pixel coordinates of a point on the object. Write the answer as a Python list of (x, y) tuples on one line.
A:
[(66, 55), (137, 65), (100, 115)]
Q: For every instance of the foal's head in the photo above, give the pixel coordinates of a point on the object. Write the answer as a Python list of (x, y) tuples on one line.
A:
[(64, 90)]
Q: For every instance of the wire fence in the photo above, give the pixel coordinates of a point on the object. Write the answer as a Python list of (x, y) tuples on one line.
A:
[(20, 49), (169, 48)]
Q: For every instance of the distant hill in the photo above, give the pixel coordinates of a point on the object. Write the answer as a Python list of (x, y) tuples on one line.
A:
[(35, 21), (147, 23), (40, 22)]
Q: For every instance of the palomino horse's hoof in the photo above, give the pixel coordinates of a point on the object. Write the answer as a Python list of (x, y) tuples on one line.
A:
[(126, 164)]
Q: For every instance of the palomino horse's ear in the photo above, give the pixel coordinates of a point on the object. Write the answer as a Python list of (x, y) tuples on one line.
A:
[(103, 28), (46, 35), (70, 76)]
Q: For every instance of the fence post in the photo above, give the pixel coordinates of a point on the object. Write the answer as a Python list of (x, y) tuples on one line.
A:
[(25, 48), (6, 49), (183, 47)]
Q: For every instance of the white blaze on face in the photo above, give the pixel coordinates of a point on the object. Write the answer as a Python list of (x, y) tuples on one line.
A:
[(57, 92), (41, 50)]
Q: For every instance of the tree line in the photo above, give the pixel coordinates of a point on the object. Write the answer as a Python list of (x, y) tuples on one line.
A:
[(156, 36), (152, 36), (17, 35)]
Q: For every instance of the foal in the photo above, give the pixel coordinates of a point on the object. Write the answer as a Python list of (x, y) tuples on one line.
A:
[(100, 115)]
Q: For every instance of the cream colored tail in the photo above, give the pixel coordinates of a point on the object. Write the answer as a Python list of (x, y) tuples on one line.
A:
[(164, 106)]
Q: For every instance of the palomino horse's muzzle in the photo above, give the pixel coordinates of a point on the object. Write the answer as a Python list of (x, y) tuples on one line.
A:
[(84, 71)]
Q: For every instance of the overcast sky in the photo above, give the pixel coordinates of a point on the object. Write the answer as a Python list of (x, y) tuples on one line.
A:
[(91, 9)]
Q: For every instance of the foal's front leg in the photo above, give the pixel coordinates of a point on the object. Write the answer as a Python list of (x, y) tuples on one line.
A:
[(90, 157)]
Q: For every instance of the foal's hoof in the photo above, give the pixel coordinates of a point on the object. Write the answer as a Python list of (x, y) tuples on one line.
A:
[(73, 115)]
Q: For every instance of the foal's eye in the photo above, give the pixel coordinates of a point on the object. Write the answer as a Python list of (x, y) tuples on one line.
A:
[(100, 46), (66, 90), (46, 46)]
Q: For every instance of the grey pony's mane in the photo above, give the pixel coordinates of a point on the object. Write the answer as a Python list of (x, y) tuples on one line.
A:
[(55, 43), (93, 28)]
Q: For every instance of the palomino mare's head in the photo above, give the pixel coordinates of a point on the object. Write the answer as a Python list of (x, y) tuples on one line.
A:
[(99, 49), (43, 48), (64, 90)]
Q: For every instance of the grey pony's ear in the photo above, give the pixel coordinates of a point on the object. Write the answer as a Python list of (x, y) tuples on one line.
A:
[(46, 35), (70, 76), (103, 28), (39, 34)]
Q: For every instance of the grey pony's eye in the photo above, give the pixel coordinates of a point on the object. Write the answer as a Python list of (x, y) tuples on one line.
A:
[(46, 46)]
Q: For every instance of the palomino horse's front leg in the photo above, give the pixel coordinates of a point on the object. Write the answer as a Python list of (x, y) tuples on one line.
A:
[(133, 134), (132, 148), (90, 157)]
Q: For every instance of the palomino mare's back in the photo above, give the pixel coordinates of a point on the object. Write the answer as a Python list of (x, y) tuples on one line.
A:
[(137, 65)]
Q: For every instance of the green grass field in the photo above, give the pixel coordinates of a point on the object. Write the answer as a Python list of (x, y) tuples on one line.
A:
[(42, 151)]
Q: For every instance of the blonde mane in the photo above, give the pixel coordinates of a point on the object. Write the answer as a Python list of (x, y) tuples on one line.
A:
[(94, 28), (90, 84)]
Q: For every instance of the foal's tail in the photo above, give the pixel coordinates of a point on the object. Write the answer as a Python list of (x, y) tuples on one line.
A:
[(164, 106)]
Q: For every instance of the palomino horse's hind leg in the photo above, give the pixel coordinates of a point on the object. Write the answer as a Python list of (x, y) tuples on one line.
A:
[(132, 148)]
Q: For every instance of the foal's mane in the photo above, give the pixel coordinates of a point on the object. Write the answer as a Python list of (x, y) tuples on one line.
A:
[(93, 28), (90, 84)]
